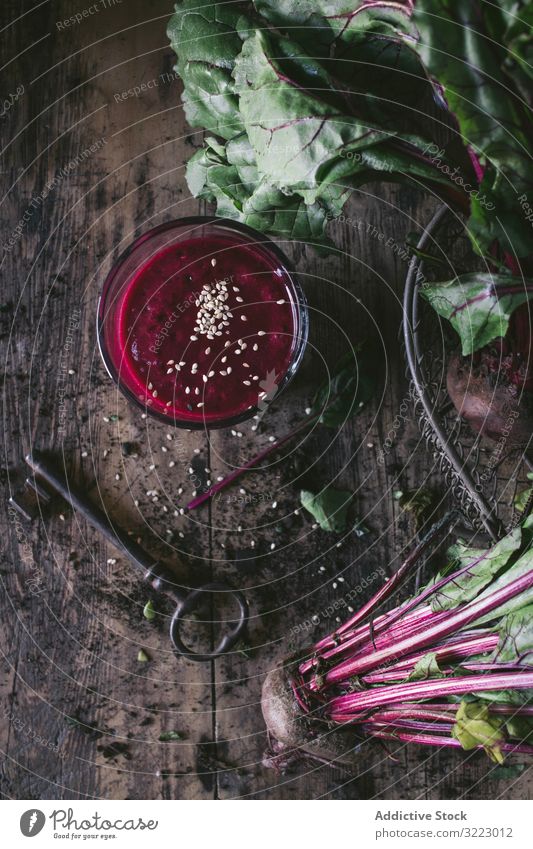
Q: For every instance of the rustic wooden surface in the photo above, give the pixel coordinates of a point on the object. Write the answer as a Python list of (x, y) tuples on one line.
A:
[(81, 717)]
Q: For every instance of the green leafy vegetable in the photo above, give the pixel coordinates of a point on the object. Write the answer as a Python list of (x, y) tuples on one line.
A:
[(522, 567), (347, 391), (329, 507), (485, 565), (506, 773), (516, 638), (460, 45), (520, 727), (165, 736), (426, 667), (314, 122), (207, 36), (142, 657), (478, 306), (149, 611), (416, 501), (522, 498), (475, 726)]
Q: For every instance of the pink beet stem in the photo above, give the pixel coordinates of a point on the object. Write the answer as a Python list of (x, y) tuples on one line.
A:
[(466, 615), (430, 689), (436, 740)]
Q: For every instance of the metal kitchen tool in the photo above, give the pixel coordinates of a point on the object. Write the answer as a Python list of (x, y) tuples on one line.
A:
[(482, 479), (48, 480)]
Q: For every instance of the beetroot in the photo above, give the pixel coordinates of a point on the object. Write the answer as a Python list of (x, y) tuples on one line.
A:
[(493, 388), (293, 734), (451, 666)]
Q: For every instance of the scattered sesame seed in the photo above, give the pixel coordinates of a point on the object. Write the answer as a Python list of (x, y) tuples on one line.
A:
[(243, 318), (154, 393), (117, 477), (247, 382), (281, 301), (170, 362), (151, 467), (271, 438), (196, 450), (207, 351), (220, 478), (211, 374), (261, 332), (84, 453), (71, 371), (242, 491), (255, 347), (272, 546), (172, 464), (308, 411), (164, 449), (274, 504), (213, 262), (187, 390), (205, 378)]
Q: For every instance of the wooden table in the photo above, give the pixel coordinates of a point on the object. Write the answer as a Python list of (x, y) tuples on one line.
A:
[(87, 166)]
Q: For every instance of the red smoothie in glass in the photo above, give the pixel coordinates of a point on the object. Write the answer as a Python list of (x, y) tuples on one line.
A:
[(206, 328)]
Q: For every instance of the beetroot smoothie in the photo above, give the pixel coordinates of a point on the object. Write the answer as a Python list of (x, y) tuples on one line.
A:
[(205, 328)]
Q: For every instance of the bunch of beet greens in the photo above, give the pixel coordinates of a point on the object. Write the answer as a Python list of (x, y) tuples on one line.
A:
[(451, 666)]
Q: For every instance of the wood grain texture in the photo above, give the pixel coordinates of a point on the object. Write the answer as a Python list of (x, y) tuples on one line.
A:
[(72, 621)]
